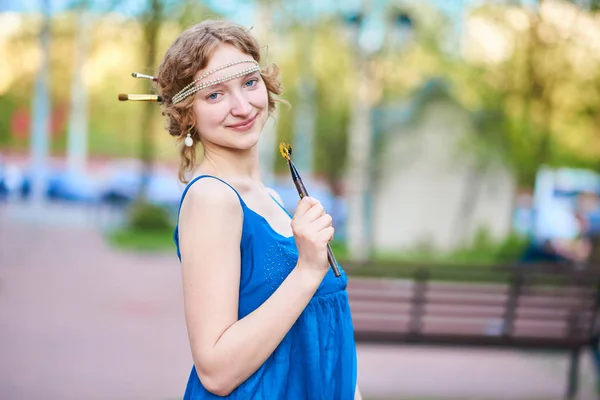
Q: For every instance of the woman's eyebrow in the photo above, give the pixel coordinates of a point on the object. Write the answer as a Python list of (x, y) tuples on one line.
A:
[(223, 84)]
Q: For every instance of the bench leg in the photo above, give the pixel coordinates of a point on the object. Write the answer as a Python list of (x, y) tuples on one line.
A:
[(573, 374)]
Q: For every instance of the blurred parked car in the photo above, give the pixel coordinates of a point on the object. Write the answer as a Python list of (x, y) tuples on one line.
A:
[(122, 185), (61, 185)]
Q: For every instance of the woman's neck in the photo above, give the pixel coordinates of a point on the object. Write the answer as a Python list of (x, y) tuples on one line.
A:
[(227, 163)]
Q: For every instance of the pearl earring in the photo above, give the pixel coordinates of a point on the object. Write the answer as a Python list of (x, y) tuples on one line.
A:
[(188, 141)]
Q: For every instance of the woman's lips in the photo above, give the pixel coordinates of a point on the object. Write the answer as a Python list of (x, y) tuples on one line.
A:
[(244, 125)]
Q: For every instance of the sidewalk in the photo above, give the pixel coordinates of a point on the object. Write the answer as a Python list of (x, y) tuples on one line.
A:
[(79, 320)]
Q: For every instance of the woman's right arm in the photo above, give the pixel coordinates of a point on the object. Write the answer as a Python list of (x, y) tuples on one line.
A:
[(225, 350)]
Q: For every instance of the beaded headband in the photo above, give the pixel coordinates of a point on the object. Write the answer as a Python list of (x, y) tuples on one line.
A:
[(192, 88)]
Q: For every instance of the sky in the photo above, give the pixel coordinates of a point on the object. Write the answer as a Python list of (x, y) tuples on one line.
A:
[(235, 9), (243, 11)]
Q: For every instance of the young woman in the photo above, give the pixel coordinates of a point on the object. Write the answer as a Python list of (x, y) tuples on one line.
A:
[(266, 317)]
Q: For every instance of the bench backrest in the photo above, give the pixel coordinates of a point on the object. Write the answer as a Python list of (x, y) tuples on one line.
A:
[(544, 309)]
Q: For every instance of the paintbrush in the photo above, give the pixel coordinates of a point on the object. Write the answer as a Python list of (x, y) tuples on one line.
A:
[(286, 152), (140, 97)]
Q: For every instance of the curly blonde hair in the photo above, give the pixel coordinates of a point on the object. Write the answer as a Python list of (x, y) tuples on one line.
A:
[(190, 53)]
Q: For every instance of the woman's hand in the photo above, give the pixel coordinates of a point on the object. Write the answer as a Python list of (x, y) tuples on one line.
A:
[(312, 231)]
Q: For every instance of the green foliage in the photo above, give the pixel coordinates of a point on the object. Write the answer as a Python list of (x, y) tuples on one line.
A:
[(478, 262), (331, 58), (7, 108), (144, 241), (540, 105), (530, 108), (149, 217), (593, 4), (483, 251), (149, 227), (331, 66), (486, 249)]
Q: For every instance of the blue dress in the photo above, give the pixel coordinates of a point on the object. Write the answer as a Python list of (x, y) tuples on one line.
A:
[(317, 357)]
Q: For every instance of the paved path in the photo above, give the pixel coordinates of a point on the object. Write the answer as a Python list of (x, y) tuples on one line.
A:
[(79, 320)]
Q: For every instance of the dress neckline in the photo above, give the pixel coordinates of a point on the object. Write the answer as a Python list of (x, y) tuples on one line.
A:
[(244, 205)]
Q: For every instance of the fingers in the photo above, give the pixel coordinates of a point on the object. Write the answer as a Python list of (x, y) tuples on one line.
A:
[(311, 221), (309, 209), (322, 222), (304, 205), (314, 212), (327, 234)]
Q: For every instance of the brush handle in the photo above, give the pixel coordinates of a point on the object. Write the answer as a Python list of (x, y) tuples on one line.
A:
[(303, 193), (140, 97), (333, 262)]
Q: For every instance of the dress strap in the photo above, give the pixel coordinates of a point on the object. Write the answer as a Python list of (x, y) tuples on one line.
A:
[(280, 205), (196, 179)]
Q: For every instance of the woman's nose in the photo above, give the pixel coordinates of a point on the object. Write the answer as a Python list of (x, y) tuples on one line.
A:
[(240, 106)]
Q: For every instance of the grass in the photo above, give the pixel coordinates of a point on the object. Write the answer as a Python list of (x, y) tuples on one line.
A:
[(475, 264), (156, 241)]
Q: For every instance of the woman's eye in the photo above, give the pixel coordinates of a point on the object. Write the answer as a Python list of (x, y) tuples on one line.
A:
[(213, 96), (251, 82)]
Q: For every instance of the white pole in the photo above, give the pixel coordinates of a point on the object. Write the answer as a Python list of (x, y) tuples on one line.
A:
[(78, 119), (41, 115)]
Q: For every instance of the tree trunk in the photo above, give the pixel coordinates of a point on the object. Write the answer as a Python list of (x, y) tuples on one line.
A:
[(151, 30)]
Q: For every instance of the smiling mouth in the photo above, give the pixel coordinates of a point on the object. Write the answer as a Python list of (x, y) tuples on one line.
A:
[(244, 124)]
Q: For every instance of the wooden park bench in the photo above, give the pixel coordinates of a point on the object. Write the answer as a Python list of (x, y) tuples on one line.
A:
[(525, 307)]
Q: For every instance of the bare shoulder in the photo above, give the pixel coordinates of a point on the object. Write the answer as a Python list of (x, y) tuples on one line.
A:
[(275, 195), (211, 217), (210, 195)]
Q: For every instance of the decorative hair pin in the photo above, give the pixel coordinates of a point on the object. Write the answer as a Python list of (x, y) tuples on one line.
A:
[(144, 76), (141, 97), (193, 87)]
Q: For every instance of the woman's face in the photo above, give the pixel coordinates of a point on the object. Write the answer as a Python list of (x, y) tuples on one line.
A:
[(230, 114)]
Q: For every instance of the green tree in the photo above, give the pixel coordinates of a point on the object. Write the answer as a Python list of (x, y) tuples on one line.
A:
[(593, 5), (530, 108), (152, 20)]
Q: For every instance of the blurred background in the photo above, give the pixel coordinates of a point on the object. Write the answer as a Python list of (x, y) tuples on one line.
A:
[(459, 137)]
